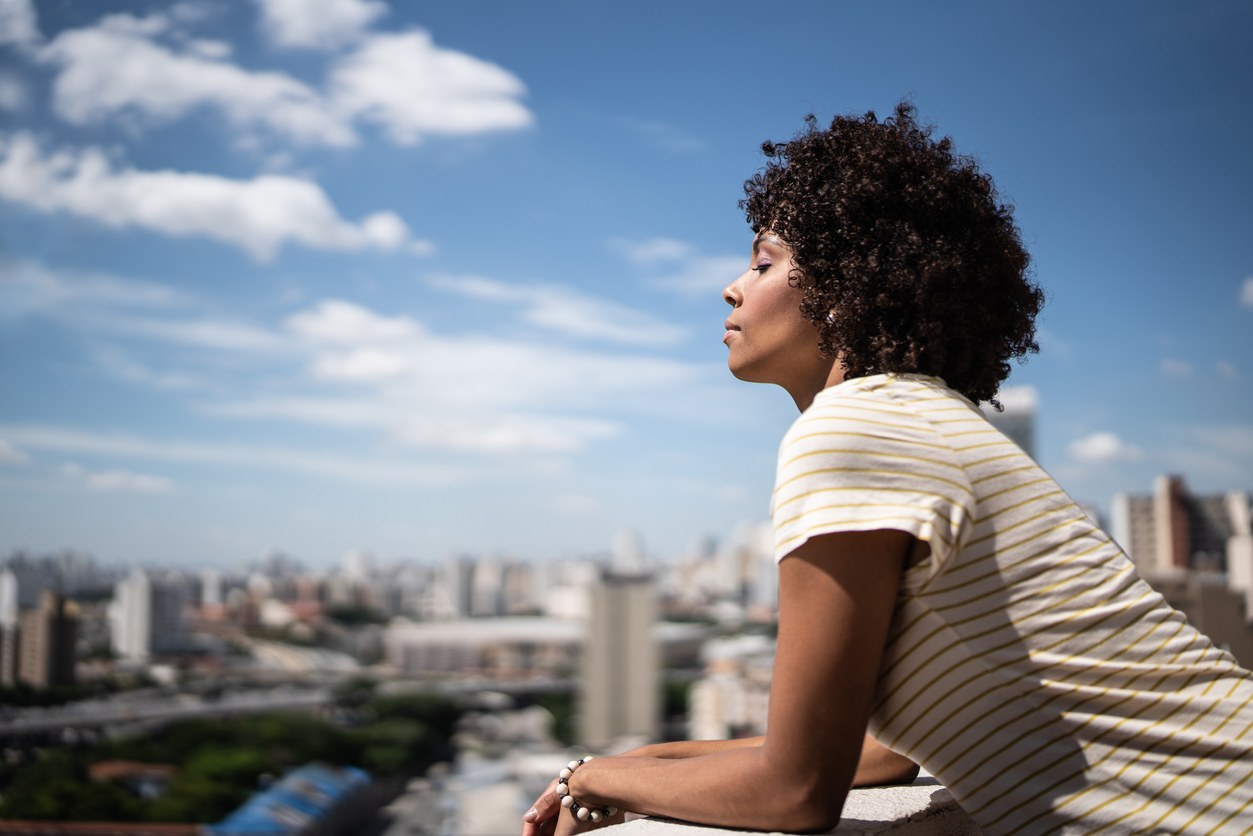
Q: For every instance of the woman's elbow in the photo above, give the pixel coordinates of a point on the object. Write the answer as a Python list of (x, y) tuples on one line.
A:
[(813, 810)]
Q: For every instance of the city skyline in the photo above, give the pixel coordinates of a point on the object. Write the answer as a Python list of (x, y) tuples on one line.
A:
[(437, 280)]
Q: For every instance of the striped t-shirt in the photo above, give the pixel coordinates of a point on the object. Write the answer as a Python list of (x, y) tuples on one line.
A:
[(1028, 667)]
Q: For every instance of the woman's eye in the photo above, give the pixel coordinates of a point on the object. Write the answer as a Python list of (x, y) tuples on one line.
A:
[(762, 267)]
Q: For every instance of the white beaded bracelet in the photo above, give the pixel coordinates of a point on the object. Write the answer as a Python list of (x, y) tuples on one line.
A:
[(580, 812)]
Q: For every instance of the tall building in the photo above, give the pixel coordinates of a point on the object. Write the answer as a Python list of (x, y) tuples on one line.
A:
[(1198, 552), (146, 616), (1018, 418), (629, 557), (621, 670), (8, 629), (48, 637), (487, 589), (453, 590), (211, 588), (357, 565), (130, 617)]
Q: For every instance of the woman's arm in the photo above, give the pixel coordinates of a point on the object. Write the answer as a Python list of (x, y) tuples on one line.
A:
[(877, 765), (691, 748), (836, 596)]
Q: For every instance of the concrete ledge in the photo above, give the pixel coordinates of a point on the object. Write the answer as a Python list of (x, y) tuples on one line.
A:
[(922, 808)]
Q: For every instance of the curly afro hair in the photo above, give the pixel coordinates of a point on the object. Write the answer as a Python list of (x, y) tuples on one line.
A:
[(908, 259)]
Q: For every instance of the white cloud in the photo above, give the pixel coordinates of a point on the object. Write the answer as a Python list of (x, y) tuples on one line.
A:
[(318, 24), (214, 50), (206, 333), (339, 364), (569, 312), (118, 480), (1246, 292), (1232, 439), (115, 67), (1103, 448), (28, 286), (11, 454), (411, 87), (336, 321), (1222, 454), (18, 24), (469, 393), (121, 68), (109, 305), (678, 266), (702, 275), (505, 433), (383, 471), (362, 364), (1227, 370), (651, 251), (260, 215), (1176, 368), (122, 366)]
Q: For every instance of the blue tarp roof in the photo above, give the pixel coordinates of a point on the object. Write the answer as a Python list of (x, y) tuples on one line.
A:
[(303, 795)]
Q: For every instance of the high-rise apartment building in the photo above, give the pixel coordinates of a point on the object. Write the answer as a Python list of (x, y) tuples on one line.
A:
[(8, 629), (1018, 418), (1198, 552), (1175, 529), (130, 617), (48, 635), (146, 616), (621, 669)]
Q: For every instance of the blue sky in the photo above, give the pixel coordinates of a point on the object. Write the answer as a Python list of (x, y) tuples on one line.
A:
[(427, 278)]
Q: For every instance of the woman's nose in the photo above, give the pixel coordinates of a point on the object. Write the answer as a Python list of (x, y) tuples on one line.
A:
[(732, 295)]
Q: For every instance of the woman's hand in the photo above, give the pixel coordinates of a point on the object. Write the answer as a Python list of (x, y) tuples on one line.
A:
[(541, 819), (547, 817), (568, 824)]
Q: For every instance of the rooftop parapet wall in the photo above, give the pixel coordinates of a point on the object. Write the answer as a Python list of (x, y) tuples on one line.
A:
[(924, 808)]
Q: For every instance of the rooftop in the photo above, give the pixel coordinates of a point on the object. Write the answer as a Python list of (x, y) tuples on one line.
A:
[(924, 808)]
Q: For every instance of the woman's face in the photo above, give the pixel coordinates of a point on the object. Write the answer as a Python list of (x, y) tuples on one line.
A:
[(770, 340)]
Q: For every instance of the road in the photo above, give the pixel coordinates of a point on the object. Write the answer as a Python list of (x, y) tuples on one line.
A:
[(121, 711)]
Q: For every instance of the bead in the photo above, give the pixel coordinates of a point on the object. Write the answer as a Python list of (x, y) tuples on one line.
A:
[(565, 773), (585, 760), (563, 789), (611, 811), (567, 802), (573, 765), (583, 813), (595, 815)]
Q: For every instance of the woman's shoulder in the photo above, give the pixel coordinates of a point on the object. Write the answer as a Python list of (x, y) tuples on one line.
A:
[(882, 397), (865, 413)]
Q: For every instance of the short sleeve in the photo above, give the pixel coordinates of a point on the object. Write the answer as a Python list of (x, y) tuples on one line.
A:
[(861, 462)]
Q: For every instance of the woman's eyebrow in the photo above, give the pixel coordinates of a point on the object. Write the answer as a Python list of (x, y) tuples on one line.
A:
[(765, 236)]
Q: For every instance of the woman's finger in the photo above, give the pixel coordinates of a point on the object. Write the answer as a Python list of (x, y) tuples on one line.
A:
[(544, 810)]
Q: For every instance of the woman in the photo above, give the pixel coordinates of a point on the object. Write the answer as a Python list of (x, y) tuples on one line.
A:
[(936, 588)]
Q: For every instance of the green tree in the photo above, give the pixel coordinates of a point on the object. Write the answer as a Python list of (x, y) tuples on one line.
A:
[(239, 767), (194, 798)]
